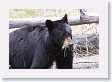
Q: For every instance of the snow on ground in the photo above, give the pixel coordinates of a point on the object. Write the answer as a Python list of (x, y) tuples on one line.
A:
[(89, 62)]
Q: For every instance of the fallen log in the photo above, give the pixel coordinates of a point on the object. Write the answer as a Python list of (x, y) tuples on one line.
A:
[(17, 23), (92, 43)]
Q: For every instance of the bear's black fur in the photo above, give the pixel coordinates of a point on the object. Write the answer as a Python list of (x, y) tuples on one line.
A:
[(36, 47)]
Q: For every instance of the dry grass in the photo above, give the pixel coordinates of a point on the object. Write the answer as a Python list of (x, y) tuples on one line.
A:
[(34, 13)]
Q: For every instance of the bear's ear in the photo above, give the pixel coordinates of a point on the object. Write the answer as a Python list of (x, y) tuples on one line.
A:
[(50, 25), (65, 18)]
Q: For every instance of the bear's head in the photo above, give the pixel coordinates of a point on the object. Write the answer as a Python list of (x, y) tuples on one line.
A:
[(60, 32)]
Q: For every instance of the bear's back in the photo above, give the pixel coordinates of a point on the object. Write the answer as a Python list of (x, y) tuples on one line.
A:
[(23, 43)]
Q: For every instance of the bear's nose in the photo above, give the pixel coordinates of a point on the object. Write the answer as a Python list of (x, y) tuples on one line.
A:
[(67, 42)]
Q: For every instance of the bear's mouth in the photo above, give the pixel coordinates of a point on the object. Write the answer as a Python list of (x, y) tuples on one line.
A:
[(66, 45), (67, 42)]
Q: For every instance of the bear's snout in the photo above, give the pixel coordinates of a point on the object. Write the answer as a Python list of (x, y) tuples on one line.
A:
[(67, 42)]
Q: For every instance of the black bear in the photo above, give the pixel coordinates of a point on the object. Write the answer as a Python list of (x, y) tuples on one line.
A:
[(37, 47)]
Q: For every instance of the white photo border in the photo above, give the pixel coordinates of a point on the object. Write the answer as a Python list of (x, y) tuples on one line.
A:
[(100, 5)]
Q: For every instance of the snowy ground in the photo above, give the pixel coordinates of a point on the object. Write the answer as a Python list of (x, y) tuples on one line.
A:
[(89, 62)]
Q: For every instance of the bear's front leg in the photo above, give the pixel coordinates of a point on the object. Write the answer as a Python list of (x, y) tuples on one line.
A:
[(65, 60)]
